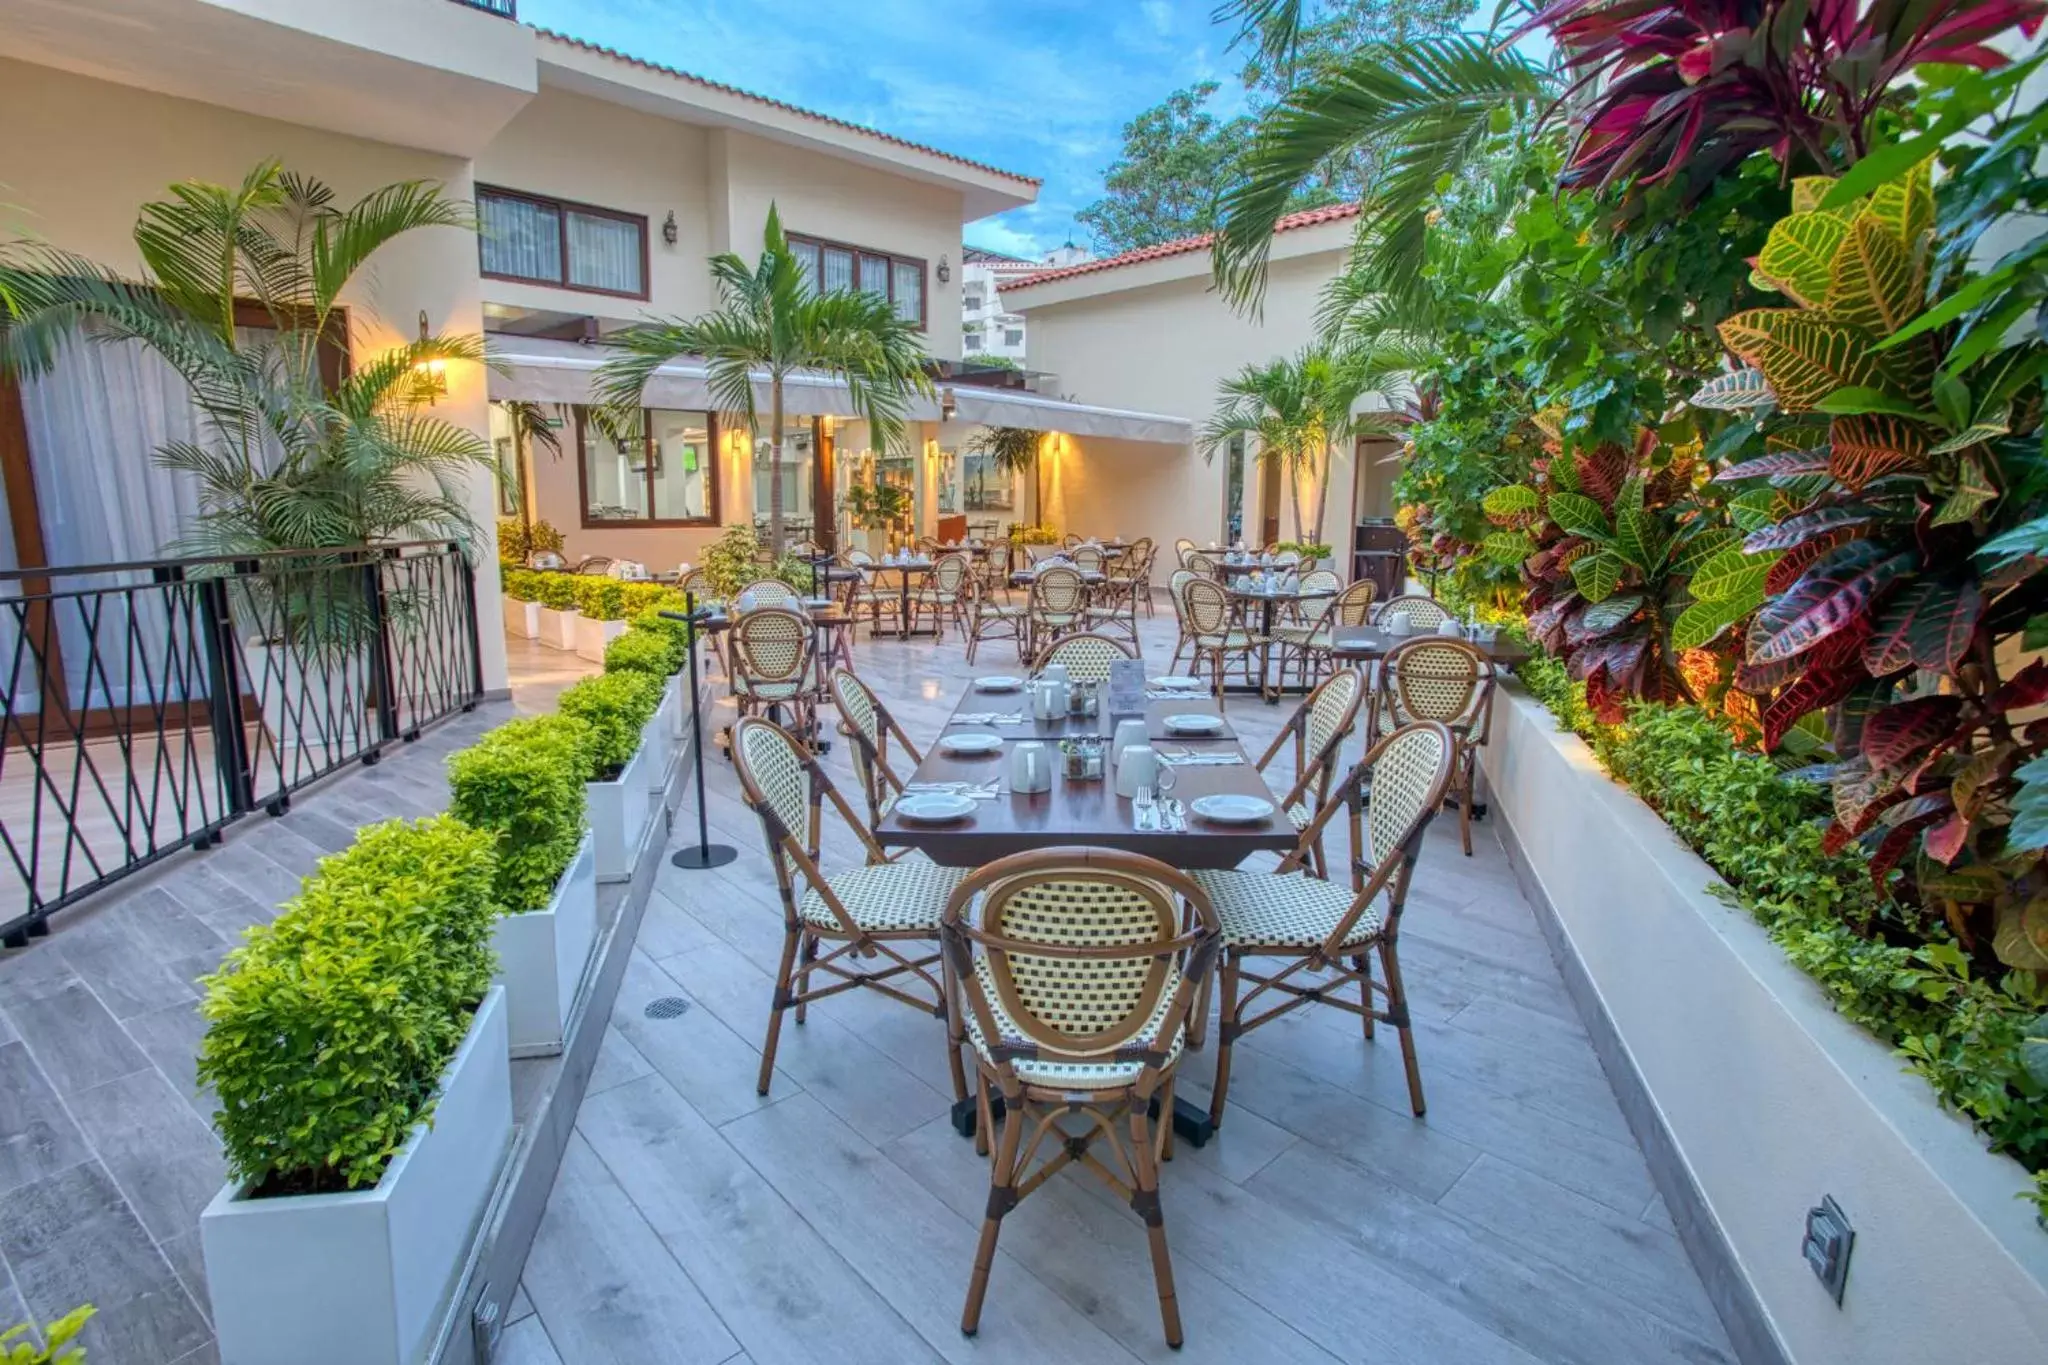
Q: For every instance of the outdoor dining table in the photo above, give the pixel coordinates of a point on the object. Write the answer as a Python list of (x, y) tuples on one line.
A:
[(903, 572), (1085, 811), (1355, 644), (1267, 599)]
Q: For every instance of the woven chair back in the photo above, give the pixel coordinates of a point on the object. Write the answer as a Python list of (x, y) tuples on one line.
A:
[(1058, 590), (1085, 657), (771, 592), (771, 645), (1206, 606), (950, 572), (1353, 606), (1424, 613)]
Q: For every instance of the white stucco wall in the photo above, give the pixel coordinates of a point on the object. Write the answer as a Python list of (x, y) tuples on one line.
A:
[(121, 147)]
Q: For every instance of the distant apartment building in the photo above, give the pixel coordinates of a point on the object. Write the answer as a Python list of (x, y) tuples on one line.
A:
[(986, 327)]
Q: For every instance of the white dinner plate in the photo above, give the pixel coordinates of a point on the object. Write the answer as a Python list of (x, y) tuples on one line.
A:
[(1229, 809), (972, 745), (999, 682), (935, 808), (1191, 723), (1174, 682)]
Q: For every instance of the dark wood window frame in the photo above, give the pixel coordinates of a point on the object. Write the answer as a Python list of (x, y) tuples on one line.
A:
[(563, 208), (711, 455), (894, 258)]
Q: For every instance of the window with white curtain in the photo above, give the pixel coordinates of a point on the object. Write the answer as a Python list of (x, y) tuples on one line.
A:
[(899, 279), (657, 468), (548, 241)]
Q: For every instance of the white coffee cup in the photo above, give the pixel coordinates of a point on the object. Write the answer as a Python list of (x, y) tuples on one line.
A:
[(1141, 768), (1030, 768), (1054, 672), (1449, 626), (1128, 734), (1399, 624)]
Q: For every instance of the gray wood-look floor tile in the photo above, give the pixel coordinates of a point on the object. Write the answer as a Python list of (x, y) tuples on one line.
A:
[(142, 954), (709, 1065), (1658, 1215), (605, 1286), (526, 1343), (72, 1036), (914, 1250), (1523, 1298), (188, 1261), (772, 1278), (37, 1135), (166, 1161), (618, 1061), (666, 930), (73, 1239), (522, 1306), (172, 1037), (1616, 1250)]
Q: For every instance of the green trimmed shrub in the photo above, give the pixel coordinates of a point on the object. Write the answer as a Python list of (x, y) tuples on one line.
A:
[(56, 1348), (615, 706), (635, 598), (524, 782), (522, 585), (641, 651), (329, 1028), (555, 591), (600, 597), (674, 634)]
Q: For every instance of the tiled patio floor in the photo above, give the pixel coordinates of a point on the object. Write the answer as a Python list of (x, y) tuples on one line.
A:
[(836, 1219)]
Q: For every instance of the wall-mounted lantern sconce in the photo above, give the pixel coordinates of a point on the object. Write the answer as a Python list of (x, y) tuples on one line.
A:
[(668, 228), (430, 377), (947, 406), (945, 271)]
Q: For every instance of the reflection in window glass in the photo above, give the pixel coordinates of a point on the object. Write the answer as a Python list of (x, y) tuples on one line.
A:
[(680, 455), (519, 237), (949, 482), (614, 467), (604, 253), (505, 448), (798, 453), (988, 489)]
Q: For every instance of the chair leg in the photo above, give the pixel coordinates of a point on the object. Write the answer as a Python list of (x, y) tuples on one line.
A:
[(806, 954), (1226, 1036), (784, 976), (1002, 1197), (1397, 1014), (1362, 964), (1145, 1200), (985, 1116), (1465, 798)]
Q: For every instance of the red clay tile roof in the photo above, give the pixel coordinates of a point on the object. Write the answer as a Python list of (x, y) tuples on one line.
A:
[(1180, 246), (724, 89)]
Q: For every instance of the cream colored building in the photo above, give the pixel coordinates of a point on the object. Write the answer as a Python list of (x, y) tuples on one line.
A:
[(1147, 330)]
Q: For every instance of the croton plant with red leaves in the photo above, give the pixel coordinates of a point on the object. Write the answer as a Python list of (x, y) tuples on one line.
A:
[(1687, 88), (1901, 449)]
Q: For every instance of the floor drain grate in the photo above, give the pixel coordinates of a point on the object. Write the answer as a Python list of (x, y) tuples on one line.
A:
[(667, 1007)]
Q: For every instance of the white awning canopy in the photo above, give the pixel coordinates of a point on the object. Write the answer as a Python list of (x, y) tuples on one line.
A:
[(527, 369)]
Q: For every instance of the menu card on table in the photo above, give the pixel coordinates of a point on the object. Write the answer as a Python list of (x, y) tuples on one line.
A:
[(1126, 687)]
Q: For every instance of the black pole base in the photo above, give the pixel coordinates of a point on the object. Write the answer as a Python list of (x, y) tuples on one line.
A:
[(965, 1118), (701, 856), (1191, 1124)]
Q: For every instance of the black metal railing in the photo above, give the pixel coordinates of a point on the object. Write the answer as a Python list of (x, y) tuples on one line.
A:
[(150, 705), (508, 8)]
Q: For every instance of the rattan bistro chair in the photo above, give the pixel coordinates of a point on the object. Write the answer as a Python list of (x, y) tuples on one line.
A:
[(871, 727), (1437, 678), (1424, 613), (942, 591), (835, 926), (1085, 657), (989, 618), (1308, 644), (1058, 595), (1318, 727), (771, 665), (1071, 982), (1206, 617), (770, 592), (1307, 926)]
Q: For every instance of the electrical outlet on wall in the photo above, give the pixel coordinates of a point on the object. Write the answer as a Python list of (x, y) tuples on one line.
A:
[(1827, 1244)]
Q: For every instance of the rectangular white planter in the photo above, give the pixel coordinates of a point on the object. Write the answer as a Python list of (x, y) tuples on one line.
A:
[(592, 635), (1769, 1097), (363, 1277), (558, 628), (679, 706), (522, 619), (620, 818), (658, 739), (541, 956)]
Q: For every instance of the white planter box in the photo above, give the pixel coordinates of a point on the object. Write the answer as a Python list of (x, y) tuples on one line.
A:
[(659, 738), (679, 706), (1769, 1097), (620, 812), (363, 1277), (558, 628), (541, 956), (522, 619), (592, 635)]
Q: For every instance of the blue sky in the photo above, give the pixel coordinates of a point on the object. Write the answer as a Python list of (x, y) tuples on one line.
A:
[(1040, 87)]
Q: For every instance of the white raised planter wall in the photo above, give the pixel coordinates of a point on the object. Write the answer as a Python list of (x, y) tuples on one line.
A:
[(558, 628), (542, 954), (522, 618), (592, 635), (661, 737), (620, 817), (362, 1277), (1768, 1097)]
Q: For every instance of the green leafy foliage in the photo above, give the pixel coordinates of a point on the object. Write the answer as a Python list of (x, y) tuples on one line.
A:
[(55, 1348), (519, 540), (329, 1028), (614, 706), (523, 782), (643, 649)]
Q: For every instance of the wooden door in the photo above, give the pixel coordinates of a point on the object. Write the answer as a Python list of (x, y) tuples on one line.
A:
[(1269, 501)]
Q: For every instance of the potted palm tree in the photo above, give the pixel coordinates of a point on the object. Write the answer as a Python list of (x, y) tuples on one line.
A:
[(770, 324), (305, 455)]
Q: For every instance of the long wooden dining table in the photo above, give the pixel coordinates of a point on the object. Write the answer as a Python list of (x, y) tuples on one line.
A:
[(1086, 811)]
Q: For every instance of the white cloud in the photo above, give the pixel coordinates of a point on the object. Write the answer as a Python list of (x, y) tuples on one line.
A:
[(993, 234)]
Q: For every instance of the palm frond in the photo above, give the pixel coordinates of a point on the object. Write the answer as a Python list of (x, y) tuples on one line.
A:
[(342, 242)]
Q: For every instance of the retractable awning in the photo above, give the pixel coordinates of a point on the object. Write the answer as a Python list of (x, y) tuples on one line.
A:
[(527, 369)]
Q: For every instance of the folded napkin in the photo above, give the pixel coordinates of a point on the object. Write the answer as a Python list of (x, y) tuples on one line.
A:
[(988, 718), (1173, 694), (979, 791), (1191, 760)]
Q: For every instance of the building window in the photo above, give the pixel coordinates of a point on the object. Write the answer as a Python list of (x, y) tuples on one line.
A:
[(1013, 336), (834, 266), (973, 341), (655, 468), (549, 241), (988, 487)]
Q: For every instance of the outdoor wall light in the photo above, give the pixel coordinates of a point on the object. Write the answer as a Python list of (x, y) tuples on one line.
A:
[(430, 377), (947, 407), (668, 228), (945, 271)]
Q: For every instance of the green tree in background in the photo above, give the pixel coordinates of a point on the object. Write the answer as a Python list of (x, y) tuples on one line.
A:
[(1177, 156)]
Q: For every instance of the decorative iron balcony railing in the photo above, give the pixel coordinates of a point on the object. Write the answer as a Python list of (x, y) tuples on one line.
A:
[(148, 706), (508, 8)]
